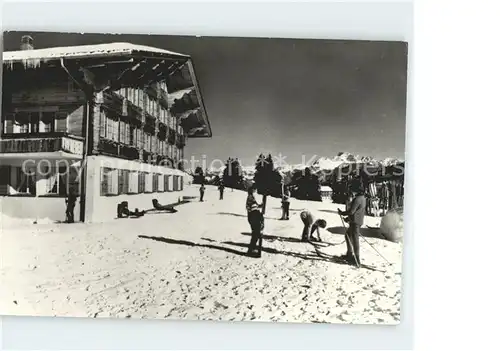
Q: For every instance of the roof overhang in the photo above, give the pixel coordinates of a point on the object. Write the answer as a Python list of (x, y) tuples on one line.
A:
[(112, 66)]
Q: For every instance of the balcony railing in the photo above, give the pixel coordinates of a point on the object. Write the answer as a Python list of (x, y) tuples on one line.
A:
[(40, 144)]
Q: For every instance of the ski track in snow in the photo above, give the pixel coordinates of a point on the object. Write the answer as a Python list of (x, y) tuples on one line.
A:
[(191, 265)]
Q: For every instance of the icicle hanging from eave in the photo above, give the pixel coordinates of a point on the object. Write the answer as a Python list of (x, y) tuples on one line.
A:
[(28, 63), (31, 63)]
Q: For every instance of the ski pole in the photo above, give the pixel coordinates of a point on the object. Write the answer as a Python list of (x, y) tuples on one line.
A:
[(376, 250), (349, 242)]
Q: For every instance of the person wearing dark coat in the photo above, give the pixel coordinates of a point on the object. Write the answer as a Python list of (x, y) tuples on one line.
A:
[(221, 191), (202, 192), (256, 221), (70, 206), (355, 217)]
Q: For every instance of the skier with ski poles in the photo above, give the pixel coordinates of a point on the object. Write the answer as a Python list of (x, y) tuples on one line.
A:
[(355, 217)]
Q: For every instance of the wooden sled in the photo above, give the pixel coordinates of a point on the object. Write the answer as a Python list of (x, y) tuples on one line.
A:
[(163, 208)]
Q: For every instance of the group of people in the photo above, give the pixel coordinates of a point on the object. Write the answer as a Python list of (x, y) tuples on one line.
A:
[(354, 214), (221, 188)]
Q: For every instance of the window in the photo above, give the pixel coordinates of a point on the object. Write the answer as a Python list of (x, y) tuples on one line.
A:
[(156, 176), (145, 141), (141, 100), (34, 122), (21, 123), (24, 181), (140, 138), (40, 121), (57, 181), (142, 182), (136, 97), (61, 119), (109, 181), (123, 181), (121, 128), (126, 139), (48, 122), (111, 128), (131, 95), (147, 147)]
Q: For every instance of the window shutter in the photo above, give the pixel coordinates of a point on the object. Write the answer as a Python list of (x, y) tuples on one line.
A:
[(133, 185), (161, 183)]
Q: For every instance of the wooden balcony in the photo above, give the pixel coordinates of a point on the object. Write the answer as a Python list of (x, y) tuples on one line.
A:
[(41, 144), (111, 148)]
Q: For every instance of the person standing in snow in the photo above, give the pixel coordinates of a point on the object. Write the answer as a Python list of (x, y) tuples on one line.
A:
[(310, 226), (70, 206), (356, 215), (285, 204), (255, 219), (202, 192), (221, 191)]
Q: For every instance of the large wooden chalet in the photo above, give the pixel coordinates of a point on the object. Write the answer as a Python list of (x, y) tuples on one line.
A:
[(108, 122)]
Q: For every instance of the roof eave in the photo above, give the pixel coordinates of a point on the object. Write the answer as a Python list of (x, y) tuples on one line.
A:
[(131, 53), (202, 103)]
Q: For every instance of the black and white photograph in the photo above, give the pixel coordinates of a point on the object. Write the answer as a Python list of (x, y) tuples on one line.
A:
[(202, 178)]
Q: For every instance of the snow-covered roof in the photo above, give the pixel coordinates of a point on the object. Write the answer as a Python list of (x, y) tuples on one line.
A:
[(81, 51)]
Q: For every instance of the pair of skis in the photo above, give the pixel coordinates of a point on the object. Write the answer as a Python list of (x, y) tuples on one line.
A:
[(339, 259), (344, 260)]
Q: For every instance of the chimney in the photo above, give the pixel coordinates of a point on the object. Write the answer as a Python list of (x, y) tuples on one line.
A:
[(26, 42)]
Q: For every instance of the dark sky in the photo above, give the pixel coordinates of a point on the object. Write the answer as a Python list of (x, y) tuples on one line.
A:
[(294, 97)]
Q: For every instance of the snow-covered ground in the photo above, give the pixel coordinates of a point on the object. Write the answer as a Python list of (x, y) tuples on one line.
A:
[(192, 265)]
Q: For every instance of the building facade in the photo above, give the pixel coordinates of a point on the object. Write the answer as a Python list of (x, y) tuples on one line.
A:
[(108, 122), (326, 193)]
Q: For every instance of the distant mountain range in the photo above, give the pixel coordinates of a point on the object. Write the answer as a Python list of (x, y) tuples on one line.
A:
[(327, 163), (317, 165)]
